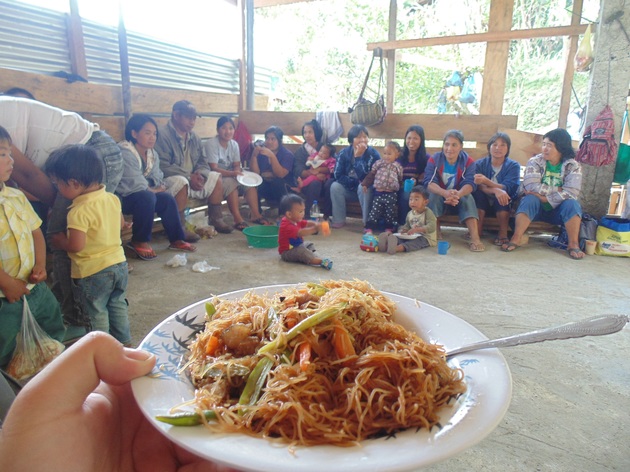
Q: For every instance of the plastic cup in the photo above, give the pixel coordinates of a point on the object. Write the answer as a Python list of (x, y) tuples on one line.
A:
[(590, 247), (325, 228), (443, 247), (409, 183)]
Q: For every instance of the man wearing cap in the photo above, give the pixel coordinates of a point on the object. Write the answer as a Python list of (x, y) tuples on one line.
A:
[(183, 162)]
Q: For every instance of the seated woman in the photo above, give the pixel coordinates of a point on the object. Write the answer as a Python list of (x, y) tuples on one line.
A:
[(274, 163), (449, 176), (354, 163), (413, 160), (142, 190), (551, 188), (224, 157), (497, 178), (312, 190)]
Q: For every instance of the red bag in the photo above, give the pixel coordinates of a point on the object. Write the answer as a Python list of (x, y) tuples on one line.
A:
[(244, 140), (599, 147)]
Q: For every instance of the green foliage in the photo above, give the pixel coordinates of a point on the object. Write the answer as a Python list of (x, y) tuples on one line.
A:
[(321, 56)]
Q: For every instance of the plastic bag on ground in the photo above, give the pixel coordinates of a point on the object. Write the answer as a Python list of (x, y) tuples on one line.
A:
[(178, 260), (203, 267)]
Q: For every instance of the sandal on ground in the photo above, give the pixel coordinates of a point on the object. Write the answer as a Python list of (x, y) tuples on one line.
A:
[(144, 253), (241, 226), (191, 237), (575, 253), (182, 246), (476, 247), (509, 247), (261, 221), (501, 241)]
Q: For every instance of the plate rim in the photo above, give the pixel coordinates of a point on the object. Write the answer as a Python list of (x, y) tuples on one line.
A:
[(254, 463)]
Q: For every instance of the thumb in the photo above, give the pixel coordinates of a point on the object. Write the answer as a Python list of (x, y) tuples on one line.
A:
[(71, 377)]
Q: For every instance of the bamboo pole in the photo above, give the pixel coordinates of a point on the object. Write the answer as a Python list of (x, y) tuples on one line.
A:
[(565, 98)]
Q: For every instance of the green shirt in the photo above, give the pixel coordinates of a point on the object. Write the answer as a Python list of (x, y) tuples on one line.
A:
[(552, 178)]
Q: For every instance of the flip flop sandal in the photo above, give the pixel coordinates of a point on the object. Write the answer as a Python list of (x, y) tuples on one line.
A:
[(501, 241), (182, 246), (241, 226), (476, 247), (509, 247), (575, 253), (142, 253), (261, 221)]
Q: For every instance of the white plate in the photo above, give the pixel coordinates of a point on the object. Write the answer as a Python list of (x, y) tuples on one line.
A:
[(475, 414), (406, 236), (249, 179)]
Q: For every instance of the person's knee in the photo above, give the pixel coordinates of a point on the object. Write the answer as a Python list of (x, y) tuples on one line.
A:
[(569, 209)]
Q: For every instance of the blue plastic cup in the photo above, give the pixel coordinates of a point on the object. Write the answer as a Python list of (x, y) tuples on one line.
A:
[(409, 183), (443, 247)]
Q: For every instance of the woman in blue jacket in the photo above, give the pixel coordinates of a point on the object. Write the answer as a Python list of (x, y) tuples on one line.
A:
[(497, 178), (449, 177), (354, 163)]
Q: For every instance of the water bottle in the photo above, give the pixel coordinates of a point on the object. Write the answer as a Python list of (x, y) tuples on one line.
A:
[(316, 215)]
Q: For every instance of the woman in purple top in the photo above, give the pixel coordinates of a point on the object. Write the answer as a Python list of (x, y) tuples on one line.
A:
[(413, 160), (274, 163)]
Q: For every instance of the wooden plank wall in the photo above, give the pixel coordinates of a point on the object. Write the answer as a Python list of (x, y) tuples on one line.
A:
[(103, 103), (476, 128)]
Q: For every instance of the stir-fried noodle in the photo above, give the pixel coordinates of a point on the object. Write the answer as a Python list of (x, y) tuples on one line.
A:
[(352, 375)]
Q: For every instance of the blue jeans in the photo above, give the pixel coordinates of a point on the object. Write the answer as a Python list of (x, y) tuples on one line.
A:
[(142, 205), (531, 206), (465, 209), (338, 196), (107, 149), (103, 299)]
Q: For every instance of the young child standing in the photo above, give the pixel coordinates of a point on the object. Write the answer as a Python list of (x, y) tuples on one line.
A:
[(293, 228), (22, 263), (386, 176), (421, 221), (99, 269)]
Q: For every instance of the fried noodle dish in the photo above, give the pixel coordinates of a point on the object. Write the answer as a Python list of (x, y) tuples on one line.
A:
[(316, 364)]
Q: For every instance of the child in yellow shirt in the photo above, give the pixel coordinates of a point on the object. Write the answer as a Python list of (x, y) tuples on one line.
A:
[(22, 263), (98, 266)]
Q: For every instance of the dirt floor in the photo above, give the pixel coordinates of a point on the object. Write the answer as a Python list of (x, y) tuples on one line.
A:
[(570, 406)]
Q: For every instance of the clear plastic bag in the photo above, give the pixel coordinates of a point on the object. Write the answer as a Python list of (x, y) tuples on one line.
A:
[(34, 348)]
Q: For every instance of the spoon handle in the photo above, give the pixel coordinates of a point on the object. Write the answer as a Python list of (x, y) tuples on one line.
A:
[(595, 326)]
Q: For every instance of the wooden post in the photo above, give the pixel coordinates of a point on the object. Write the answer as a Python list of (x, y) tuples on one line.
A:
[(565, 98), (249, 26), (76, 45), (496, 62), (391, 56), (242, 71), (124, 64)]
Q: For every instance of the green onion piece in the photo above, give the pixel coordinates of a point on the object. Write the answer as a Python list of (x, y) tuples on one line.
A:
[(303, 325), (186, 418), (210, 309), (317, 289), (255, 382)]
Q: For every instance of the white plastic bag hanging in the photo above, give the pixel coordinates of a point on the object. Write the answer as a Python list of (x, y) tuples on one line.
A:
[(584, 54)]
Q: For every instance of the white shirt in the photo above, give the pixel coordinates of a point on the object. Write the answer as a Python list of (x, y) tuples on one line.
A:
[(37, 129)]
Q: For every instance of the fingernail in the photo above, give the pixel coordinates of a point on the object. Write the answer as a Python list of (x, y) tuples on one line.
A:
[(138, 355)]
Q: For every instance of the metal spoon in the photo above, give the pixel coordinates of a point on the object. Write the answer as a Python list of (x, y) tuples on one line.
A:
[(595, 326)]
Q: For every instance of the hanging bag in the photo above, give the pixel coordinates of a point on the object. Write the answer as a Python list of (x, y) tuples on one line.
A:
[(365, 112), (599, 147), (34, 348)]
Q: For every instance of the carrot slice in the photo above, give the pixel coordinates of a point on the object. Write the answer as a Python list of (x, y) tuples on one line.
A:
[(304, 351), (342, 341), (212, 345)]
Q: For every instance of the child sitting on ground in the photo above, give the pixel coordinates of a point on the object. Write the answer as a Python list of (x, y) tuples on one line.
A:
[(293, 228), (99, 269), (386, 176), (22, 263), (420, 221)]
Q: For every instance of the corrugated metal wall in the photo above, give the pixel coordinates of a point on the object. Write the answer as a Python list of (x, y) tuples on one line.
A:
[(34, 39)]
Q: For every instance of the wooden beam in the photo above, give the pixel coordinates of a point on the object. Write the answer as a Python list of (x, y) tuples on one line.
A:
[(273, 3), (480, 37), (565, 98), (76, 44), (496, 61)]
